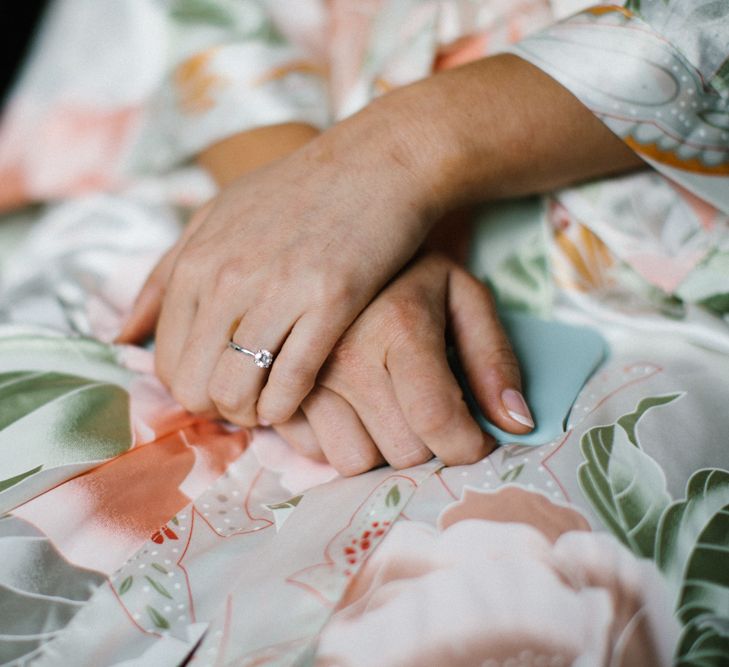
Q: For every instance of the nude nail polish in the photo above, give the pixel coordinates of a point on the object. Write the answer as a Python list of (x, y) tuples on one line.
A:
[(516, 407)]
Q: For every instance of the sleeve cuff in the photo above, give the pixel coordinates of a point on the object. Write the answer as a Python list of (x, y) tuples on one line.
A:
[(645, 90)]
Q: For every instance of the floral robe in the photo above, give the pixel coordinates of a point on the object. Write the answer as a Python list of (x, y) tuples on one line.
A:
[(133, 533)]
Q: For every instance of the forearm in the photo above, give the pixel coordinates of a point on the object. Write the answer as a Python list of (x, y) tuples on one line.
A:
[(497, 128)]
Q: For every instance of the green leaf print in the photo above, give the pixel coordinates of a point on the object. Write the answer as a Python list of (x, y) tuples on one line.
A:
[(703, 645), (692, 549), (286, 504), (707, 492), (705, 591), (629, 422), (159, 568), (59, 419), (626, 487), (392, 499), (201, 11), (513, 474), (12, 481), (126, 585), (160, 621), (158, 587)]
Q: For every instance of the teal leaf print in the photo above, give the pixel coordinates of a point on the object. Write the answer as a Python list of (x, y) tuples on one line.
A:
[(158, 587), (392, 499), (626, 487), (629, 422), (126, 585), (160, 621)]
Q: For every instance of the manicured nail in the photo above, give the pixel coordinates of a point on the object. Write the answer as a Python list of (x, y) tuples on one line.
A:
[(264, 422), (516, 407)]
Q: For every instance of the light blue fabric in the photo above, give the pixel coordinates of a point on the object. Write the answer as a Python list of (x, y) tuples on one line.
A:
[(556, 360)]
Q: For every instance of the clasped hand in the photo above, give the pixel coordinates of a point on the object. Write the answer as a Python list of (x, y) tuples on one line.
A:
[(297, 257)]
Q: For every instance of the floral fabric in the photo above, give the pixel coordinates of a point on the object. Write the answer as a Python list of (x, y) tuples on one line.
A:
[(133, 533)]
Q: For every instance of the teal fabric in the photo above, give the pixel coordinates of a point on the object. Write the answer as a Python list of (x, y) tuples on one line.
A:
[(556, 361)]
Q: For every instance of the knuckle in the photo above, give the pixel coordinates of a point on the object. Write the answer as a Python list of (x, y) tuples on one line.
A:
[(328, 293), (348, 354), (160, 369), (404, 318), (432, 415), (245, 419), (228, 277), (501, 355), (410, 457), (471, 450), (189, 397), (186, 267), (278, 413), (225, 397), (356, 463), (294, 379)]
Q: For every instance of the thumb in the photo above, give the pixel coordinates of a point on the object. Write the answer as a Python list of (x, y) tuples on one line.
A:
[(489, 363), (141, 322)]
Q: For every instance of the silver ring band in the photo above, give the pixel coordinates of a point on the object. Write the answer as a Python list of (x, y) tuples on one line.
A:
[(261, 358)]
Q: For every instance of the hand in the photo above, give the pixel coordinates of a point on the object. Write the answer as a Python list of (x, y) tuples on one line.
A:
[(290, 254), (387, 394), (276, 261)]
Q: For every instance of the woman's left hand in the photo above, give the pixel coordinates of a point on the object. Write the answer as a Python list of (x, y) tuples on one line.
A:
[(387, 393)]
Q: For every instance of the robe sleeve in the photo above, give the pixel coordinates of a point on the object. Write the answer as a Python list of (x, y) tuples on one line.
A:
[(656, 72)]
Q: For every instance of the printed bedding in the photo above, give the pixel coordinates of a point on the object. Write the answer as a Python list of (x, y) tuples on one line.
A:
[(132, 533)]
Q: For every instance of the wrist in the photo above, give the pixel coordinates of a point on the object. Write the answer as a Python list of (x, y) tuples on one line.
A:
[(499, 127)]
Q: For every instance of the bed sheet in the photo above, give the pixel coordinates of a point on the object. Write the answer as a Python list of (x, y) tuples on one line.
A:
[(133, 533)]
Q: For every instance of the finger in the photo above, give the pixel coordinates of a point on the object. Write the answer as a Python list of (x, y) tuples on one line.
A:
[(140, 323), (294, 371), (298, 433), (486, 355), (341, 435), (206, 342), (236, 380), (175, 321), (373, 398), (432, 401)]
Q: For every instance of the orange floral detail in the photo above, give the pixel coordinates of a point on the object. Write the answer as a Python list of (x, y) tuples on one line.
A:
[(600, 10), (584, 261), (295, 67), (655, 152), (195, 83)]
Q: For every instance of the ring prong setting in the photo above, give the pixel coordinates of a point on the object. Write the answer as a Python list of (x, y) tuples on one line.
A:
[(263, 359)]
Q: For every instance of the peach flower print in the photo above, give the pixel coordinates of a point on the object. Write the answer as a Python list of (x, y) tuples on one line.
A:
[(507, 577)]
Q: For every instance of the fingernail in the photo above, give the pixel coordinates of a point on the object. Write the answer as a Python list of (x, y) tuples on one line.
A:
[(264, 422), (516, 407)]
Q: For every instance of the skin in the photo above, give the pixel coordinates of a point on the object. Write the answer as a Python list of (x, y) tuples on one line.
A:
[(339, 217)]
